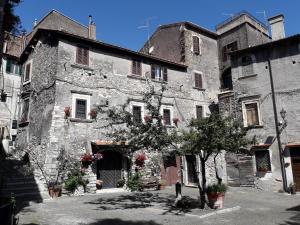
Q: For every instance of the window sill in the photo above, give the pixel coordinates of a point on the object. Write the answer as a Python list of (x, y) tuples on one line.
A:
[(26, 82), (200, 89), (136, 76), (170, 126), (81, 120), (254, 127), (23, 124), (79, 66), (159, 81), (247, 76)]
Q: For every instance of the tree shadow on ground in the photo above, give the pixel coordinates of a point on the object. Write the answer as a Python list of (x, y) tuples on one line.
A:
[(145, 200), (123, 222), (294, 220)]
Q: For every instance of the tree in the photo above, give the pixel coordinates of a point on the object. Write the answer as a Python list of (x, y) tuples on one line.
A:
[(207, 137), (11, 22), (151, 134)]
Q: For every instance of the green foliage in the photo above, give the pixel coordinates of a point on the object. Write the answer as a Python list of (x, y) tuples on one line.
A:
[(11, 22), (151, 134), (135, 182), (211, 135), (216, 188), (74, 180), (120, 183)]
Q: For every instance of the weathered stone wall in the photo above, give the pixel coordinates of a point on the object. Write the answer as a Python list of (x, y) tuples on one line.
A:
[(285, 67)]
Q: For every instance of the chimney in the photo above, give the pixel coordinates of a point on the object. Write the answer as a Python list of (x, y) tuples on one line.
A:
[(92, 28), (277, 27)]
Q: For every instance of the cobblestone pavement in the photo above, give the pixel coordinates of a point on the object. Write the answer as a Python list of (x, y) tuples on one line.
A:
[(242, 206)]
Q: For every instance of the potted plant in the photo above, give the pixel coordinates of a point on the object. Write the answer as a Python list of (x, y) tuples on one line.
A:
[(216, 195), (175, 121), (120, 183), (75, 180), (86, 159), (140, 159), (292, 188), (93, 113), (162, 184), (67, 111), (54, 189)]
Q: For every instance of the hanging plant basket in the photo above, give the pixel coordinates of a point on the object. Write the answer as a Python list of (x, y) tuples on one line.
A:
[(67, 111), (93, 113)]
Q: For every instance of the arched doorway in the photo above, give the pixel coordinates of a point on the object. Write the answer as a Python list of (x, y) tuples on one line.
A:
[(109, 169)]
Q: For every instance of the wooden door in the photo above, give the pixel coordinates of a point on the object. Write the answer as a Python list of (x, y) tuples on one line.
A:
[(295, 159), (171, 170), (109, 169)]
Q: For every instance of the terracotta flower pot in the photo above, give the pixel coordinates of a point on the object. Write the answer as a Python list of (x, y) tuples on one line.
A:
[(216, 199), (54, 191)]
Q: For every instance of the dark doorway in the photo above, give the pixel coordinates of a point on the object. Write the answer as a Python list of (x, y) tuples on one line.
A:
[(191, 169), (295, 159), (109, 169), (170, 170), (226, 80)]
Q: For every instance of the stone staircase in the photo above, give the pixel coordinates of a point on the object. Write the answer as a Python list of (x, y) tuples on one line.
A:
[(20, 182)]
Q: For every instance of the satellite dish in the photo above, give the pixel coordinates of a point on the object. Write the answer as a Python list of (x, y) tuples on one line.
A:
[(151, 49)]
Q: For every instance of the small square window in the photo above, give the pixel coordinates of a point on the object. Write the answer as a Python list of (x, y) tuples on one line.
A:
[(82, 55), (159, 73), (137, 114), (136, 68), (81, 108), (262, 158)]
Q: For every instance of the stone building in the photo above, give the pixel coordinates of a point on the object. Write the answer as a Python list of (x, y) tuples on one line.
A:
[(64, 69), (254, 69), (9, 91)]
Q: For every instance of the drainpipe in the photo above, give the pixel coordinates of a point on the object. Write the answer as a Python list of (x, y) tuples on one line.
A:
[(283, 173)]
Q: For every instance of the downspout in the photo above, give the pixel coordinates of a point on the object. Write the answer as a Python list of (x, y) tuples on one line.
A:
[(283, 173)]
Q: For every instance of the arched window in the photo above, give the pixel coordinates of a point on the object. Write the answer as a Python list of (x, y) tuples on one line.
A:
[(247, 65)]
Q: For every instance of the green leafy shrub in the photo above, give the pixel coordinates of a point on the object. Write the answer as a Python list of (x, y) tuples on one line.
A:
[(216, 188), (135, 183), (120, 183), (74, 180)]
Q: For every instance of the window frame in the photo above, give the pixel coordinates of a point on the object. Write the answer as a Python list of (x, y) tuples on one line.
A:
[(244, 110), (196, 112), (196, 51), (202, 80), (134, 68), (25, 71), (82, 55), (21, 120), (170, 108), (138, 104), (163, 73), (75, 97), (269, 159)]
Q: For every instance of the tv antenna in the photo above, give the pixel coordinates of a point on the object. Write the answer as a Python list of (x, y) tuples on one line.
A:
[(265, 19), (147, 26), (228, 14)]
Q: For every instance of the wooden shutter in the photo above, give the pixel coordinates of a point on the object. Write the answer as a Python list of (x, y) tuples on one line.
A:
[(9, 66), (167, 116), (27, 72), (133, 67), (25, 109), (196, 49), (82, 55), (165, 74), (80, 109), (136, 68), (153, 67), (199, 112), (137, 114), (198, 80), (252, 114)]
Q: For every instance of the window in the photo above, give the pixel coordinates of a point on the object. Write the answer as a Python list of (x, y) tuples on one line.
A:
[(80, 105), (199, 112), (137, 114), (251, 114), (159, 73), (14, 124), (247, 65), (25, 111), (196, 45), (82, 56), (198, 80), (27, 74), (12, 67), (167, 116), (136, 68), (262, 158), (227, 49)]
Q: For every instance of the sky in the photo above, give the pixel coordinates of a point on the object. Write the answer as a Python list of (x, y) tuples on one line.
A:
[(119, 21)]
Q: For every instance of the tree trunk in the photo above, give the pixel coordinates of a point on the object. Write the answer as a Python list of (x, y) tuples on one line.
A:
[(216, 169), (202, 190)]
